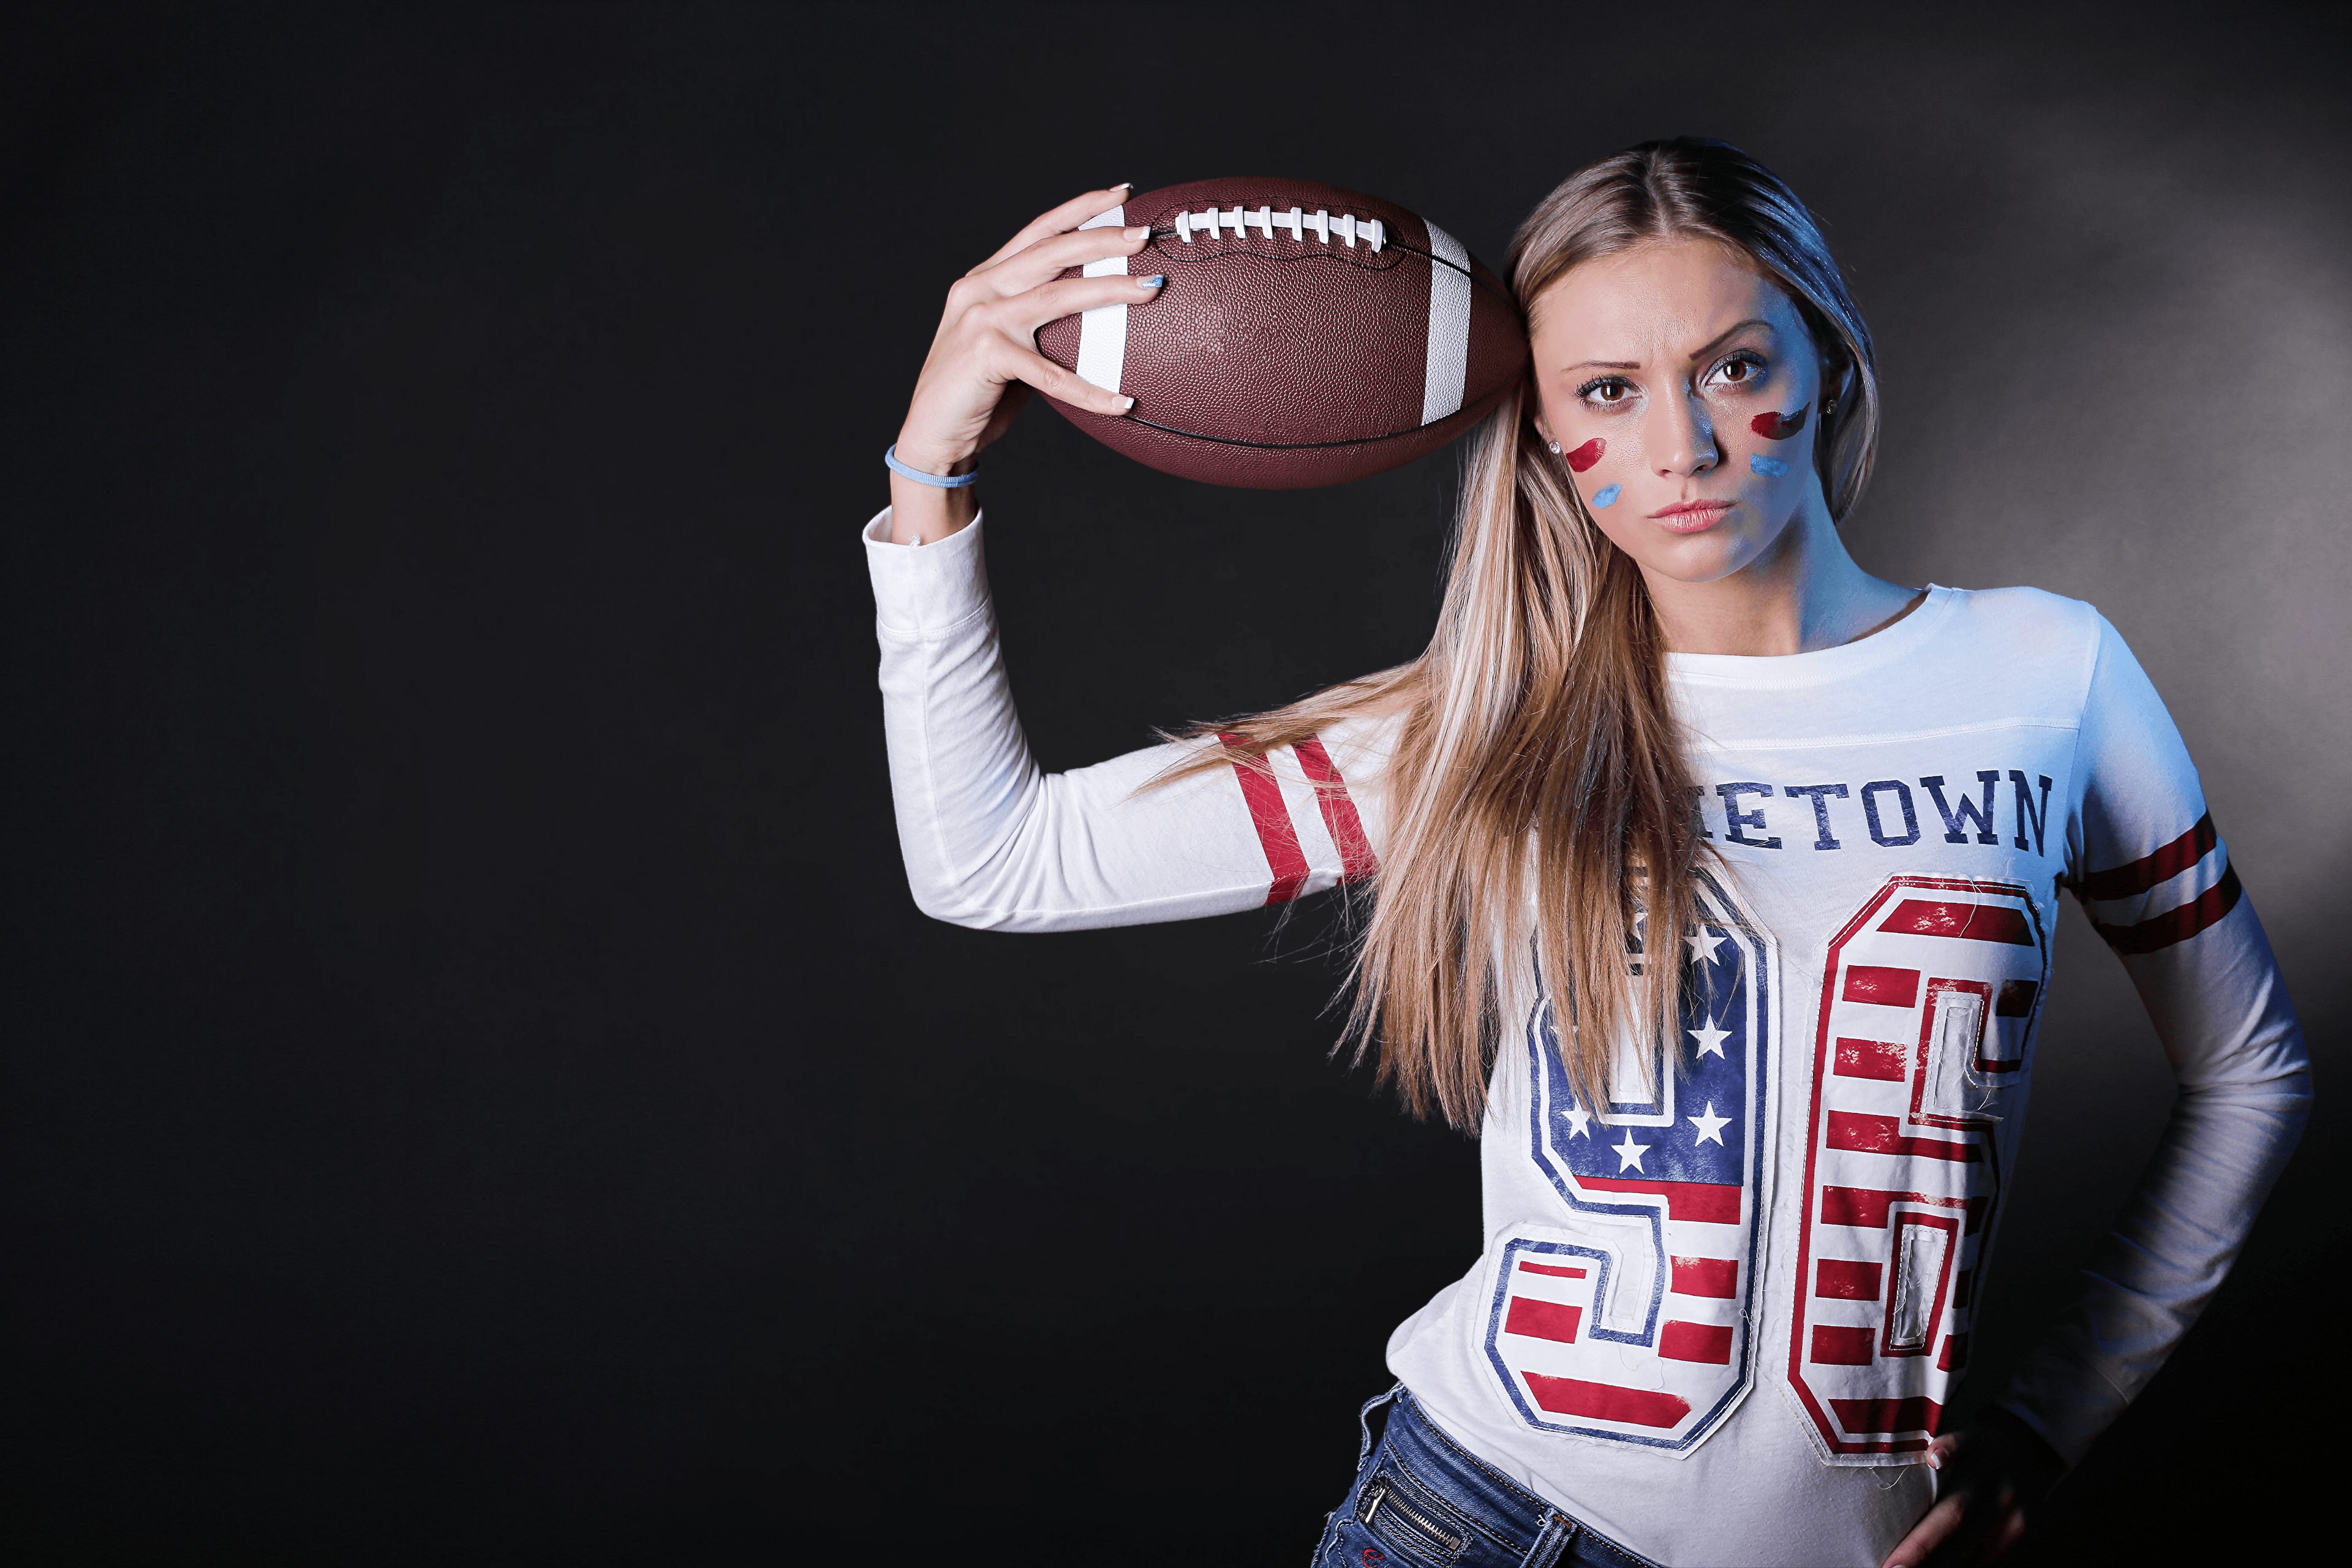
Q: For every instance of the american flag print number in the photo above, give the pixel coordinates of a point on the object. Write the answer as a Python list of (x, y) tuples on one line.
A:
[(1633, 1321), (1928, 1006)]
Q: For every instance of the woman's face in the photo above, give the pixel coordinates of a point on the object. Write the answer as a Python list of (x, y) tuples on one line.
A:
[(1683, 393)]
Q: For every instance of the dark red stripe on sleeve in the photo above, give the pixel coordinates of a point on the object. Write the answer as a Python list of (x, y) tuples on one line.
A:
[(1356, 861), (2149, 869), (1276, 834), (2176, 925)]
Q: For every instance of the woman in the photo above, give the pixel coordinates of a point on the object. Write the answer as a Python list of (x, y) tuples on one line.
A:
[(1713, 878)]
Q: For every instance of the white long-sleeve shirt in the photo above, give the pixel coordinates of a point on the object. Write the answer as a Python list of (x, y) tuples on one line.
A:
[(1719, 1317)]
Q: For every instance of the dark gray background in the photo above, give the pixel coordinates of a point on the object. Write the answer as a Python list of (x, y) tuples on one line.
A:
[(481, 1091)]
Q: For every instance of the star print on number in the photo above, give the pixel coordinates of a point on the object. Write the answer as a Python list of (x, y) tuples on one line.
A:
[(1703, 945), (1577, 1118), (1710, 1039), (1711, 1126), (1629, 1154)]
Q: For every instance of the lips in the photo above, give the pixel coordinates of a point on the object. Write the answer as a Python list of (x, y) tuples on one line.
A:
[(1691, 516)]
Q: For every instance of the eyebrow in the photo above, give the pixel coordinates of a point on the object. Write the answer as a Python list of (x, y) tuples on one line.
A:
[(1717, 342)]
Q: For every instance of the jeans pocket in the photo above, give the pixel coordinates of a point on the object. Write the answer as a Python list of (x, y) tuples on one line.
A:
[(1395, 1509)]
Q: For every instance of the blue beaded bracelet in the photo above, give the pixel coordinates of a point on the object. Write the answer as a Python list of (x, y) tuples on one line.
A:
[(943, 481)]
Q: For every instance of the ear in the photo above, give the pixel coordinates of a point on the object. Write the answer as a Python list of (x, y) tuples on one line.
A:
[(1536, 417), (1837, 379)]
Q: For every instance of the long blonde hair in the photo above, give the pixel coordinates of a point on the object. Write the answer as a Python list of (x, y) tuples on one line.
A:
[(1538, 800)]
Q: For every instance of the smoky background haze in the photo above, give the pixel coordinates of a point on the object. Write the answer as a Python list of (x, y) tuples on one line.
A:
[(481, 1091)]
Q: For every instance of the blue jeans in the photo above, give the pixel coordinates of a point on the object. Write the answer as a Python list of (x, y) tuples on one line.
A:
[(1422, 1501)]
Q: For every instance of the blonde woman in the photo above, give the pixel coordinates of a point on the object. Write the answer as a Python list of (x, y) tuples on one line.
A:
[(1710, 878)]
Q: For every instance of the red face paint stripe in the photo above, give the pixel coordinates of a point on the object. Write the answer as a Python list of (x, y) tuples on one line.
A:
[(1276, 834), (1356, 859), (2149, 869), (2176, 925), (1584, 457), (1779, 426)]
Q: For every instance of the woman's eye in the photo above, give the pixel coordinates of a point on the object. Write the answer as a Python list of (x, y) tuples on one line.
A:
[(1741, 372), (1607, 392)]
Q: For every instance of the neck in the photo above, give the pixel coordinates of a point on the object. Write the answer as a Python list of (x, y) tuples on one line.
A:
[(1804, 591)]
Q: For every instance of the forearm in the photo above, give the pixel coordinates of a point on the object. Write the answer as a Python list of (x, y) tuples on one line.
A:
[(2245, 1090), (991, 841)]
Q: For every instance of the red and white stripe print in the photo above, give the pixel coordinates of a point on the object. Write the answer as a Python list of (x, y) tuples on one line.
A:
[(1286, 856), (2166, 896)]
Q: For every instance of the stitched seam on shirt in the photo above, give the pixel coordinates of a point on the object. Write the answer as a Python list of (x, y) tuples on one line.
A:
[(1888, 738), (930, 774), (2077, 786), (1064, 912), (918, 634)]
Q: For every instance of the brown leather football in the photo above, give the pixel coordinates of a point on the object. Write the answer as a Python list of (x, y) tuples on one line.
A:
[(1306, 335)]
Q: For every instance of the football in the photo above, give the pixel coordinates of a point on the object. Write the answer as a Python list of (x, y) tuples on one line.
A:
[(1306, 335)]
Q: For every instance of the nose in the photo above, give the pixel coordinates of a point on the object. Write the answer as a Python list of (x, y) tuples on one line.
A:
[(1686, 442)]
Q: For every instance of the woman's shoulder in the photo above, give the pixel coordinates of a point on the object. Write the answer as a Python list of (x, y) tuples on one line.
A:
[(2028, 626)]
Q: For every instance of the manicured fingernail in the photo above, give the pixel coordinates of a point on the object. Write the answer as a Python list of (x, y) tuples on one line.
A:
[(1124, 185), (1127, 405), (1154, 282), (1139, 233)]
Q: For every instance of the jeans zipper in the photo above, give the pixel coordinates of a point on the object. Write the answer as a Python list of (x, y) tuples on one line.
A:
[(1383, 1493)]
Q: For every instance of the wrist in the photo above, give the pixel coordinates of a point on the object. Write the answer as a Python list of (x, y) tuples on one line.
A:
[(945, 460)]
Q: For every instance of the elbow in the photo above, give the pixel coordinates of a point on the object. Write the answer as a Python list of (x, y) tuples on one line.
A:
[(954, 904)]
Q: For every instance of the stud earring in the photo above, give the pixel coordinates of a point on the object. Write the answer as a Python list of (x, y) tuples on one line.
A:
[(1830, 406), (1554, 449)]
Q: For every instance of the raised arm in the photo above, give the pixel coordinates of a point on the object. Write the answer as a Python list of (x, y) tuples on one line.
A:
[(989, 840), (984, 359)]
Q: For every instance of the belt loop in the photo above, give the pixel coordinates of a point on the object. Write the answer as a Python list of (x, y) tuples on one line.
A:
[(1364, 1420), (1552, 1541)]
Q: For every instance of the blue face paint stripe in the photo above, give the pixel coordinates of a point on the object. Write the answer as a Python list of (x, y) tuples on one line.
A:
[(1771, 468), (1606, 497)]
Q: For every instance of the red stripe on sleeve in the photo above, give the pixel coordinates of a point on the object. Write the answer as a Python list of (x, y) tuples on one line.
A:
[(2149, 869), (2176, 925), (1276, 834), (1356, 861)]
